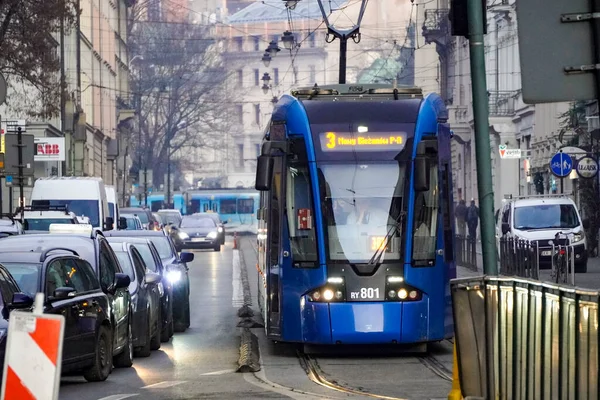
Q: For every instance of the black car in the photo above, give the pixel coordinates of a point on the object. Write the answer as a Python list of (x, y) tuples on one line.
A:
[(94, 248), (71, 289), (145, 215), (154, 264), (199, 233), (176, 271), (145, 298), (217, 218)]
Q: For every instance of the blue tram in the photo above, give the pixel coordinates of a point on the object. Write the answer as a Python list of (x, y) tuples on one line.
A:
[(156, 201), (356, 240), (238, 207)]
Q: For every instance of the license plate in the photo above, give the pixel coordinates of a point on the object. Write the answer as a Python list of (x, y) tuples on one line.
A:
[(366, 294), (197, 239), (547, 252)]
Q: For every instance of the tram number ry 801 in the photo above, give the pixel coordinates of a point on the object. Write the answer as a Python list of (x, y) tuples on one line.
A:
[(365, 293)]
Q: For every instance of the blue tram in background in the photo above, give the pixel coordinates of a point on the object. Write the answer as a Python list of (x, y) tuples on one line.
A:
[(356, 240), (238, 207)]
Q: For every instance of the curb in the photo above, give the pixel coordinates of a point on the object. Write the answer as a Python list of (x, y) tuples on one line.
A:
[(249, 360)]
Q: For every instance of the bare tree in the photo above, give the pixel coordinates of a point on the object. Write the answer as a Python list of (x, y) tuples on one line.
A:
[(179, 86), (28, 51)]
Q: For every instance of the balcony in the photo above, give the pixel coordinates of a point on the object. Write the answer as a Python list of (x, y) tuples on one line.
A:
[(436, 27), (502, 102)]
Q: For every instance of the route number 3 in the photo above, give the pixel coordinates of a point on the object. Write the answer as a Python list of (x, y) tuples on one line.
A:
[(331, 143)]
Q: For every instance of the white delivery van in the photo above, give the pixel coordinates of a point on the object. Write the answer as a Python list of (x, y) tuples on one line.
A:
[(84, 196), (539, 219), (111, 198)]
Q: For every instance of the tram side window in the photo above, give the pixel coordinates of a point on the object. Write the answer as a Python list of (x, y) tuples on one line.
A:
[(426, 219), (228, 206), (300, 215), (245, 206)]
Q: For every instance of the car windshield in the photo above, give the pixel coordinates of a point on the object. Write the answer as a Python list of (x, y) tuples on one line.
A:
[(198, 222), (170, 218), (363, 205), (143, 217), (43, 224), (163, 247), (146, 254), (26, 275), (87, 208), (546, 216)]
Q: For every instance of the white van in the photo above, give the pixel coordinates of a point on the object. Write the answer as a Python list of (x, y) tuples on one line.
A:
[(111, 198), (84, 196), (539, 219)]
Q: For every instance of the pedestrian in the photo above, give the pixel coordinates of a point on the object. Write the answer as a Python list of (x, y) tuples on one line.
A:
[(461, 217), (473, 220)]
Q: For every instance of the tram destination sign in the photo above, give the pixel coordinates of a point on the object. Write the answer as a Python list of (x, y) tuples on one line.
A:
[(362, 142)]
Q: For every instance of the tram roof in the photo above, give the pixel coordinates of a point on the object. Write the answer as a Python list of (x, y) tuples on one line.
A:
[(357, 90)]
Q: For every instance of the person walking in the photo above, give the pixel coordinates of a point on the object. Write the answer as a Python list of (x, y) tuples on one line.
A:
[(460, 212), (473, 220)]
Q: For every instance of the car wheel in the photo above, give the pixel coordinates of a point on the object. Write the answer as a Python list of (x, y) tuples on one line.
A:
[(155, 341), (100, 370), (125, 358), (144, 351), (217, 247)]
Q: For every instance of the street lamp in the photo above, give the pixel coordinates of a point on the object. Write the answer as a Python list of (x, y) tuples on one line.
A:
[(273, 49), (266, 79), (266, 59), (291, 4), (288, 39)]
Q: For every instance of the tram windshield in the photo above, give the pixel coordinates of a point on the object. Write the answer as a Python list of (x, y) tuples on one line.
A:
[(363, 211)]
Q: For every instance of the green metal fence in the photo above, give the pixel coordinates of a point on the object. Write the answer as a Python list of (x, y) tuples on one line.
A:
[(523, 339)]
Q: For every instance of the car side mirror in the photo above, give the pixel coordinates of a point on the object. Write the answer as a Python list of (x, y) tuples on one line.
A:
[(264, 172), (20, 300), (62, 293), (122, 223), (121, 281), (152, 278), (109, 224), (505, 228), (186, 257), (586, 223)]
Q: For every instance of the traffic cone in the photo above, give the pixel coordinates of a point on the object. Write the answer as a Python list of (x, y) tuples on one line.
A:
[(235, 244), (455, 392)]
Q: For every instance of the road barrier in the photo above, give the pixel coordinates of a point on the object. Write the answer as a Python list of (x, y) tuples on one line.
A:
[(518, 338), (519, 257), (33, 360), (466, 252)]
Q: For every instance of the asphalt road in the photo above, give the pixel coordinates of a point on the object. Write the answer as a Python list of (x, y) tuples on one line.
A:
[(196, 364)]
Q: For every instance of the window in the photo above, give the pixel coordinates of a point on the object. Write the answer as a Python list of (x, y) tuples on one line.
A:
[(146, 254), (163, 246), (276, 76), (300, 215), (426, 220), (313, 76), (257, 114), (198, 223), (125, 262), (86, 268), (257, 150), (257, 43), (240, 151), (228, 206), (7, 288), (108, 268), (238, 44), (240, 113), (240, 77), (311, 39), (138, 263), (245, 206), (66, 272), (256, 77)]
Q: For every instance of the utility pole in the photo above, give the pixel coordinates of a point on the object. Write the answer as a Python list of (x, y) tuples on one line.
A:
[(168, 139), (20, 146), (476, 25), (343, 35)]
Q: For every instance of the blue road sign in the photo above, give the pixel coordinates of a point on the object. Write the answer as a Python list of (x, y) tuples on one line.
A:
[(561, 164), (9, 179)]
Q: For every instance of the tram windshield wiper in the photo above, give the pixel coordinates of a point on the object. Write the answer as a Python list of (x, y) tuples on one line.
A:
[(396, 226)]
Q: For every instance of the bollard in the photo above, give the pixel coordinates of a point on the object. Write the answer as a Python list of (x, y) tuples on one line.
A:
[(455, 392), (235, 244)]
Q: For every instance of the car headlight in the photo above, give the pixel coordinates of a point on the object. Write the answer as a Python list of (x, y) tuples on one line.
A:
[(174, 276), (212, 235), (578, 237), (183, 235), (220, 229)]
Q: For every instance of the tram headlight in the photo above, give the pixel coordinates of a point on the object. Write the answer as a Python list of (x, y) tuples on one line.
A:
[(402, 294), (397, 289), (328, 294)]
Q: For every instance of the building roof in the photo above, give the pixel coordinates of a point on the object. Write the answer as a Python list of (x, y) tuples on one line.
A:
[(275, 11)]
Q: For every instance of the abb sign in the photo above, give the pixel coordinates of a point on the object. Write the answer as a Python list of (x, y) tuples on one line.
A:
[(50, 149)]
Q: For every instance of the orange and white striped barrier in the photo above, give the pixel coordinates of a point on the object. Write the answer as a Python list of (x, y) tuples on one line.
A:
[(33, 355)]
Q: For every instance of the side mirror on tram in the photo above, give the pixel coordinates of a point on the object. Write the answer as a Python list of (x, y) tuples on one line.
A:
[(421, 176), (264, 173)]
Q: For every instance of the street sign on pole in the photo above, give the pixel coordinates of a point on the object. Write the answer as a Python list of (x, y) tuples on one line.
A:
[(561, 164), (557, 56), (587, 167)]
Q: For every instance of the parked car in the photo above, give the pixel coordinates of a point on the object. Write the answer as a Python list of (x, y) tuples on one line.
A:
[(177, 272), (10, 226), (145, 298), (217, 218), (154, 264), (93, 247), (144, 214), (71, 289), (198, 233), (170, 217)]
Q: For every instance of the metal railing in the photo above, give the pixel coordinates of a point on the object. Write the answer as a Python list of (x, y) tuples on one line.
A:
[(519, 257), (501, 103), (523, 339), (466, 252)]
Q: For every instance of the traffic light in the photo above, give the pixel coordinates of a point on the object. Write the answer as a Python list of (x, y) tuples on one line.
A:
[(459, 21)]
